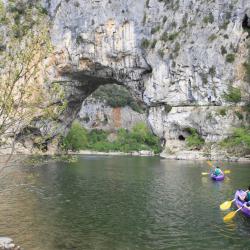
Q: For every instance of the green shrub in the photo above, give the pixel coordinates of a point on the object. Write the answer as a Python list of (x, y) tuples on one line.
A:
[(194, 140), (212, 71), (169, 36), (247, 68), (173, 25), (246, 108), (222, 112), (164, 36), (153, 44), (177, 47), (145, 43), (209, 18), (76, 138), (144, 18), (140, 138), (233, 95), (239, 141), (172, 36), (212, 38), (155, 29), (230, 58), (116, 96), (167, 108), (224, 25), (239, 115)]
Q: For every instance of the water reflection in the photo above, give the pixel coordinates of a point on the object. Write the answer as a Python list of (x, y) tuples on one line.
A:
[(121, 203)]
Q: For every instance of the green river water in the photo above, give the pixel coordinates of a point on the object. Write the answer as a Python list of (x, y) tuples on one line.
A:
[(118, 202)]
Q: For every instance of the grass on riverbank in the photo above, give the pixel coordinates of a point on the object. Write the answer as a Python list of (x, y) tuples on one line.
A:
[(140, 138), (239, 142)]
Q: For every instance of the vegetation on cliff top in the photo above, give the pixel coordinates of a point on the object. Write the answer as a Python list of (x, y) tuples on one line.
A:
[(140, 138)]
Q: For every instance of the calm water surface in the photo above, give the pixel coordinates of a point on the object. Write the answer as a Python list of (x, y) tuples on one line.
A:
[(121, 203)]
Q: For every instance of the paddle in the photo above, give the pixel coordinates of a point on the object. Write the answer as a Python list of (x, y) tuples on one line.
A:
[(225, 172), (210, 163), (231, 215), (226, 205)]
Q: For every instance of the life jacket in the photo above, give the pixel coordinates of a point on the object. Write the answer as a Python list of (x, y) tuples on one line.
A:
[(217, 172)]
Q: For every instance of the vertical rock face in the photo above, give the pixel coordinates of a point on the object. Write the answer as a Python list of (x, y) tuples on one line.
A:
[(180, 57), (97, 43), (95, 114)]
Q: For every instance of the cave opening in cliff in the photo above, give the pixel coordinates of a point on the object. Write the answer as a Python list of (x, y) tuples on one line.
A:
[(181, 138), (246, 24)]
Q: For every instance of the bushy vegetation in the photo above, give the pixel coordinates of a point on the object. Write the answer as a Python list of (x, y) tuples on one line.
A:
[(233, 95), (169, 36), (176, 48), (194, 140), (76, 138), (140, 138), (239, 115), (239, 142), (209, 18), (116, 96), (230, 58), (155, 29), (247, 68), (212, 71), (222, 112), (212, 38), (145, 43), (24, 15), (172, 36), (223, 50), (153, 44)]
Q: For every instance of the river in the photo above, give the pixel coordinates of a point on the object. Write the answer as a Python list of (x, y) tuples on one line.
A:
[(121, 202)]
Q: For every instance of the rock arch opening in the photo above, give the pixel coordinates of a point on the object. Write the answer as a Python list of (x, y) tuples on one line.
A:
[(109, 107)]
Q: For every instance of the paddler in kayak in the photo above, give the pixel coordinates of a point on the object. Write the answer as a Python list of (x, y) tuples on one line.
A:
[(217, 171), (246, 197)]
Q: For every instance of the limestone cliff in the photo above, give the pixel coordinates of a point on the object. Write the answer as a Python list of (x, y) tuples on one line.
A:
[(182, 58)]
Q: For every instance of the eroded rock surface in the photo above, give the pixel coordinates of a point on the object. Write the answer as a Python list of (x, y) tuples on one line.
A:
[(6, 243), (180, 57)]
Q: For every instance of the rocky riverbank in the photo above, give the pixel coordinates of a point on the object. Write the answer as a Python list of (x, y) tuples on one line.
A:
[(198, 155), (134, 153), (7, 243), (181, 155)]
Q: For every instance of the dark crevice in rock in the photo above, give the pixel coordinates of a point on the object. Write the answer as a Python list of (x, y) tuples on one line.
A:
[(181, 138), (246, 24)]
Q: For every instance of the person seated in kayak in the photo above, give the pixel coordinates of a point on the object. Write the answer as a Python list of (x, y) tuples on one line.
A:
[(245, 197), (217, 171)]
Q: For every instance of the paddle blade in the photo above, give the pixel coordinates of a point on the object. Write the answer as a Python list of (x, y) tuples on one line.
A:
[(229, 216), (227, 171), (225, 205), (209, 163), (204, 173)]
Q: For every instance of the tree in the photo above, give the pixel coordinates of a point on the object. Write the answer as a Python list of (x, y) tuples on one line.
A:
[(25, 45)]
